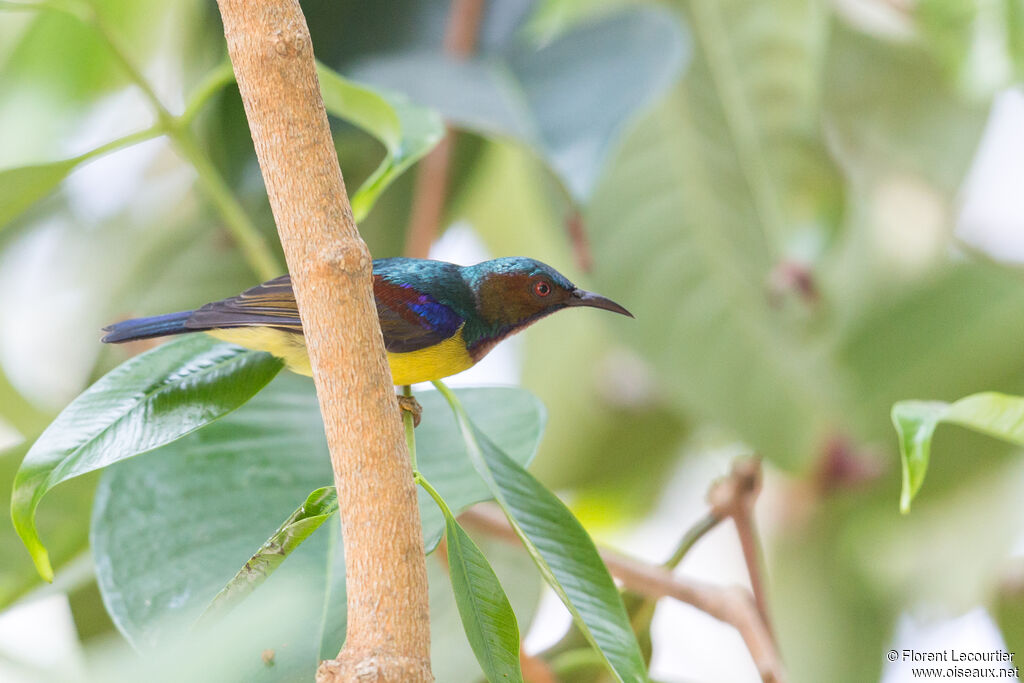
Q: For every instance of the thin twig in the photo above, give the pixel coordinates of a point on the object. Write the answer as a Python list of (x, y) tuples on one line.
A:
[(732, 604), (746, 530), (705, 524), (428, 197), (212, 83), (250, 240), (535, 669), (734, 496), (119, 52), (463, 27), (579, 240), (431, 188)]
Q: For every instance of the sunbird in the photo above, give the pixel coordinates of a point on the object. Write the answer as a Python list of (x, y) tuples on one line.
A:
[(437, 318)]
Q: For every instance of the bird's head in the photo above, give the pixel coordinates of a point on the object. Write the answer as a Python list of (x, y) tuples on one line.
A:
[(514, 292)]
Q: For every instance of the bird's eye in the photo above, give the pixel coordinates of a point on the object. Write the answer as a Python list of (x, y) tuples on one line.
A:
[(541, 288)]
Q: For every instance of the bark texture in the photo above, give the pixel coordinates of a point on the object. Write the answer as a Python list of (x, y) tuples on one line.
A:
[(388, 617)]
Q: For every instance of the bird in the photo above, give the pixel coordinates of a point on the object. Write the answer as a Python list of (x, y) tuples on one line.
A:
[(437, 318)]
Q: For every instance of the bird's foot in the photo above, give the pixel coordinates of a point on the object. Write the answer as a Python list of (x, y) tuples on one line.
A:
[(410, 405)]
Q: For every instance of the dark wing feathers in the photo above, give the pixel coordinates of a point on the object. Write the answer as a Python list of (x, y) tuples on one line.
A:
[(409, 320), (271, 304)]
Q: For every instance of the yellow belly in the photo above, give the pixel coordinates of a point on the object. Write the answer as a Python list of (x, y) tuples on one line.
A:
[(434, 362)]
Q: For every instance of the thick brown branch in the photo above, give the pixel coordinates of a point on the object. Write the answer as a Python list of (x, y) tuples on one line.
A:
[(730, 604), (388, 619)]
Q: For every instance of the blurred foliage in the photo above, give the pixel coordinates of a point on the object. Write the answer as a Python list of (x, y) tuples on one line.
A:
[(65, 525), (779, 214)]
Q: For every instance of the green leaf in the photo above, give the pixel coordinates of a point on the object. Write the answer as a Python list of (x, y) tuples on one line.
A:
[(728, 175), (569, 99), (928, 129), (406, 130), (66, 526), (722, 351), (763, 124), (22, 187), (160, 563), (991, 413), (560, 547), (146, 402), (487, 615), (317, 508)]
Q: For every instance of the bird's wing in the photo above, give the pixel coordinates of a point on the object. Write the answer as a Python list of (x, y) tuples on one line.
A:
[(271, 304), (409, 320)]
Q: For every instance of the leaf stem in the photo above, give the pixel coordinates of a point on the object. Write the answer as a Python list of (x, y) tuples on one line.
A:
[(211, 84), (119, 52), (250, 241), (696, 532), (134, 138), (422, 481)]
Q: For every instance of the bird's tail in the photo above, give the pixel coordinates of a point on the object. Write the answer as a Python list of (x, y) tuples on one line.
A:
[(145, 328)]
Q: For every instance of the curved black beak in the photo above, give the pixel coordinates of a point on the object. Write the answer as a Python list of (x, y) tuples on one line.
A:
[(582, 297)]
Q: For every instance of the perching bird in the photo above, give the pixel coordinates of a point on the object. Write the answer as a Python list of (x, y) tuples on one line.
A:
[(437, 318)]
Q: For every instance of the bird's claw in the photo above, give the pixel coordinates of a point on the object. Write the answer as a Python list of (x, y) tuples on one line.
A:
[(410, 405)]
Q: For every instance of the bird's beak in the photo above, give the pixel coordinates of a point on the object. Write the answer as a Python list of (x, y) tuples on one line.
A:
[(582, 297)]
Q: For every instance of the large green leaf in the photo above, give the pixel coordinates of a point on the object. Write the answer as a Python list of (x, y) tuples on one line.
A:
[(147, 402), (64, 523), (927, 129), (568, 99), (406, 130), (754, 99), (708, 193), (560, 547), (990, 413), (674, 209), (160, 563), (487, 615)]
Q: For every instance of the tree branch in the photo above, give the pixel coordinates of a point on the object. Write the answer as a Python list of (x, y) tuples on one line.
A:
[(734, 496), (388, 618), (730, 604)]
